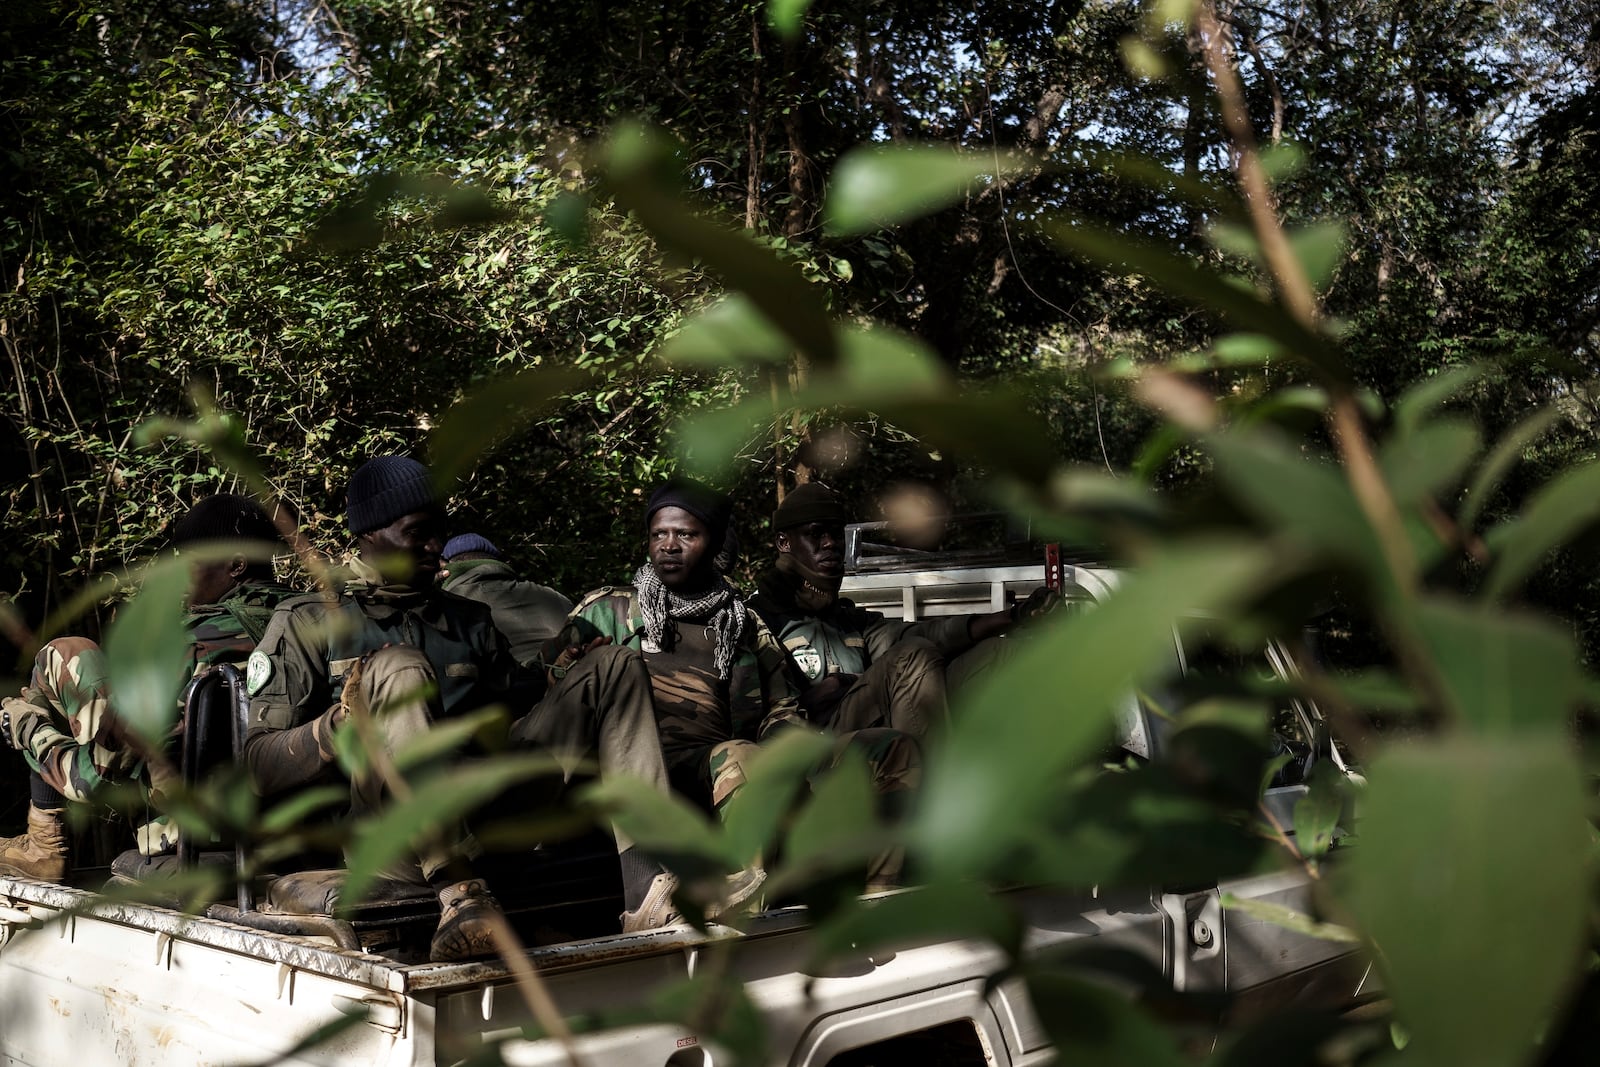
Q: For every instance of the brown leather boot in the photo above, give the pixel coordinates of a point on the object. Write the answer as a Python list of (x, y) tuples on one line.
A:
[(41, 852), (466, 914)]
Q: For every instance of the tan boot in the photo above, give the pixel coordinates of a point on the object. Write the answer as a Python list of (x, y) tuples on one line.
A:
[(41, 852), (466, 917)]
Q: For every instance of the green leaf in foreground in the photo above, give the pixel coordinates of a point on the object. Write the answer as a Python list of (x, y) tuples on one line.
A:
[(1018, 730), (1288, 918), (882, 185), (1507, 672), (1471, 879), (1557, 512), (147, 648), (489, 413)]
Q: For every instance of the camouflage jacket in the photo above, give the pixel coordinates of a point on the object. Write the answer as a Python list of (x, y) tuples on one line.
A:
[(844, 639), (529, 614), (229, 630), (756, 700), (297, 672)]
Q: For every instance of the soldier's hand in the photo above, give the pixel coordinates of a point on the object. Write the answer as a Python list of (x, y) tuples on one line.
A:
[(571, 655), (1040, 602), (322, 728), (819, 699)]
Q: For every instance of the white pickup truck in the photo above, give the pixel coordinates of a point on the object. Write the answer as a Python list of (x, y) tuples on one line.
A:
[(86, 980)]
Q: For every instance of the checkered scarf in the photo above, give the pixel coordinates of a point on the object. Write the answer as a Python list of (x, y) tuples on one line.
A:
[(719, 610)]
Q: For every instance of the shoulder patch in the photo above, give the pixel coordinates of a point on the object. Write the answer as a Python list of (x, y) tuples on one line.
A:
[(258, 672), (809, 660)]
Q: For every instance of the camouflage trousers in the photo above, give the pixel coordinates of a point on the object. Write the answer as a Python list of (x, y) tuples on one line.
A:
[(68, 732), (602, 711), (904, 691), (64, 725)]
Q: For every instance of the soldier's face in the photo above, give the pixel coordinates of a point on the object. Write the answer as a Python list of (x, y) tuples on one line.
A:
[(817, 546), (680, 548), (407, 550)]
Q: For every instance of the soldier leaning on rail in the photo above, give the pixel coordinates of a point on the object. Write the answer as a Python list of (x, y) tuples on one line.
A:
[(391, 641), (65, 722), (855, 668), (718, 676)]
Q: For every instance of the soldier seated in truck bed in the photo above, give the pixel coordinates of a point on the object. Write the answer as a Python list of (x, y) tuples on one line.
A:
[(65, 723), (856, 669), (391, 641)]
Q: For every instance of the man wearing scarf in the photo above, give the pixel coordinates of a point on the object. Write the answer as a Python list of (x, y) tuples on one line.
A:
[(855, 668)]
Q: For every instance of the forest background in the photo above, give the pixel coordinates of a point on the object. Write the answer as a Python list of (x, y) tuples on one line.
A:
[(167, 165)]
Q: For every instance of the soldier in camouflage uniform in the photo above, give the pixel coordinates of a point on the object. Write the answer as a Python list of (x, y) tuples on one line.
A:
[(65, 723), (718, 676), (856, 669)]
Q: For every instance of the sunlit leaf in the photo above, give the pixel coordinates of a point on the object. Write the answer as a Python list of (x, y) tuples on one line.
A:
[(446, 736), (492, 411), (773, 778), (730, 331), (1200, 284), (1472, 880), (1507, 672), (147, 648), (787, 16), (1288, 918), (1559, 511), (1021, 727), (666, 826), (636, 165), (883, 185)]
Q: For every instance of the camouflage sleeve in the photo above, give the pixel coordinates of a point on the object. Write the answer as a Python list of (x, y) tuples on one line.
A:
[(606, 612), (289, 691), (951, 634), (779, 696)]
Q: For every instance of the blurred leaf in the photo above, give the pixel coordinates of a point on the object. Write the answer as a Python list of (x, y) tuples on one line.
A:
[(1506, 452), (1316, 815), (875, 186), (438, 801), (219, 432), (839, 809), (1306, 498), (636, 162), (1215, 199), (883, 361), (147, 648), (1288, 918), (787, 16), (1200, 284), (1507, 672), (1472, 880), (1429, 459), (773, 778), (292, 812), (1421, 400), (1290, 1037), (1559, 511), (490, 412), (1024, 724), (1319, 248), (568, 217), (674, 832), (939, 911), (447, 735), (729, 332), (1091, 1023)]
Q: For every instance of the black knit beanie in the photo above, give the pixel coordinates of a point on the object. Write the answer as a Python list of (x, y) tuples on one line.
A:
[(699, 500), (811, 502), (385, 488), (223, 517)]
